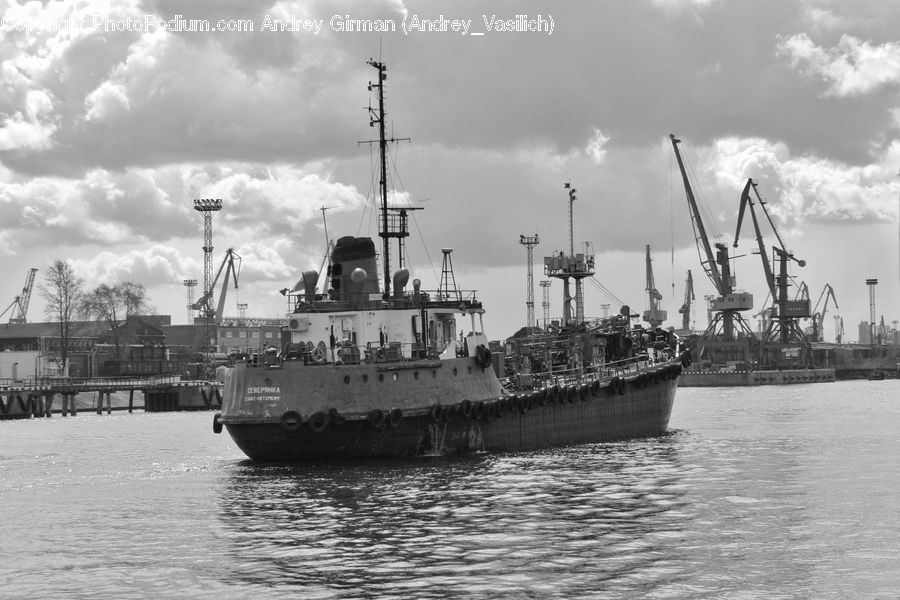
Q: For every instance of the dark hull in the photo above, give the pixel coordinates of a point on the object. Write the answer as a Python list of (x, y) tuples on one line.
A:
[(639, 406)]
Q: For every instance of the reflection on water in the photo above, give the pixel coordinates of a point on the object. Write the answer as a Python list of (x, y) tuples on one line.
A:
[(554, 524), (785, 492)]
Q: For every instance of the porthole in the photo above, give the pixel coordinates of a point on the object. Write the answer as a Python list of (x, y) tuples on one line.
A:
[(365, 377), (434, 373), (395, 376), (455, 371), (381, 377), (268, 382), (470, 369), (346, 379), (415, 374)]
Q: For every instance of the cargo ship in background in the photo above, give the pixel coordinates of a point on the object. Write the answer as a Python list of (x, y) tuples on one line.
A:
[(728, 352), (370, 368)]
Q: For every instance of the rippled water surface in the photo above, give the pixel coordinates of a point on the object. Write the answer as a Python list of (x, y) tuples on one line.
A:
[(770, 492)]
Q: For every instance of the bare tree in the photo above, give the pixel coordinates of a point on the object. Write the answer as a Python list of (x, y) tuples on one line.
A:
[(63, 292), (114, 305)]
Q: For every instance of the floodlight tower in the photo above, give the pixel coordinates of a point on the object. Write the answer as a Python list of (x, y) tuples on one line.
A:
[(207, 207), (190, 284), (530, 242), (545, 302), (872, 283), (571, 266)]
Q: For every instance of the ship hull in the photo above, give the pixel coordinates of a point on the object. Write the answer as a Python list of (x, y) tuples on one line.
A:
[(445, 421)]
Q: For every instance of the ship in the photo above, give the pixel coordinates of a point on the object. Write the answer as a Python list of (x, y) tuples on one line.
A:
[(369, 366)]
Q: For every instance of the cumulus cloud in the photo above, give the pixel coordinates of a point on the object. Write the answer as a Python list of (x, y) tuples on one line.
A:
[(853, 67), (32, 127), (802, 189), (151, 266), (102, 208), (105, 100), (596, 147), (269, 202), (142, 205)]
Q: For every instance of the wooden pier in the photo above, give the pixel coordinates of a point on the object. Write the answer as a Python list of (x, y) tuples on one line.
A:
[(23, 399)]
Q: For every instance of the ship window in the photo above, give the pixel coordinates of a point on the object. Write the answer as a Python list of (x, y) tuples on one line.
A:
[(365, 377), (346, 379), (381, 377), (415, 374), (455, 371), (470, 369), (395, 376), (434, 374)]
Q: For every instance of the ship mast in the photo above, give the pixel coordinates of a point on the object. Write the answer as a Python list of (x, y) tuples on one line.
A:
[(400, 231)]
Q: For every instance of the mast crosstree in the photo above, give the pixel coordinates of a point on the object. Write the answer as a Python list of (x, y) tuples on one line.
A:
[(394, 220)]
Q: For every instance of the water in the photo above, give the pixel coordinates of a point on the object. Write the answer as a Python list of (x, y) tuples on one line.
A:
[(772, 492)]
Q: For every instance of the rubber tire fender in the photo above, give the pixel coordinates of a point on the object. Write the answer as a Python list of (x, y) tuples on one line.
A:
[(291, 421), (376, 418), (318, 421), (394, 418)]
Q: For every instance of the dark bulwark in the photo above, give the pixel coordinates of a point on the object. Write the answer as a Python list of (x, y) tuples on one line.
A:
[(437, 410)]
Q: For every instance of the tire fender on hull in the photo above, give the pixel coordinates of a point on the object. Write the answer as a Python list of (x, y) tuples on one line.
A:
[(291, 421)]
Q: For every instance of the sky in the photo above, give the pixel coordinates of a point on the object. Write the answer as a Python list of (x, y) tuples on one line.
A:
[(116, 115)]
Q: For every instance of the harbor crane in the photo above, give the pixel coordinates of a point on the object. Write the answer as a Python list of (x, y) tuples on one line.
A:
[(231, 272), (655, 316), (783, 325), (685, 310), (818, 317), (19, 305), (728, 304)]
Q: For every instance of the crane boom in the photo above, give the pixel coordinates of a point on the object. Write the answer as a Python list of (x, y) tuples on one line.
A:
[(654, 315), (20, 303), (764, 256), (230, 257), (25, 299), (228, 266), (728, 304), (827, 292), (818, 317), (709, 265), (685, 309)]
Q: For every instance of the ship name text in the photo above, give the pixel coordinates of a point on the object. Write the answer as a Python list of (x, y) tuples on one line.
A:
[(263, 394)]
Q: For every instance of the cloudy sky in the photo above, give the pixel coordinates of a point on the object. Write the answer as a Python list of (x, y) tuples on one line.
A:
[(111, 124)]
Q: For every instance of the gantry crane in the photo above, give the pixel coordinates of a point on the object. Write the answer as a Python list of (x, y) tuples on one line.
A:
[(654, 316), (728, 305), (20, 303), (783, 324), (204, 304), (685, 310), (818, 317)]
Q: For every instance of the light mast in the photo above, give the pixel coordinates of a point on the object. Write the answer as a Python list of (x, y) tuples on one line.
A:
[(571, 266)]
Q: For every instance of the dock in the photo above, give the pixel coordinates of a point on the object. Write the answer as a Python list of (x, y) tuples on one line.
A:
[(24, 399)]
